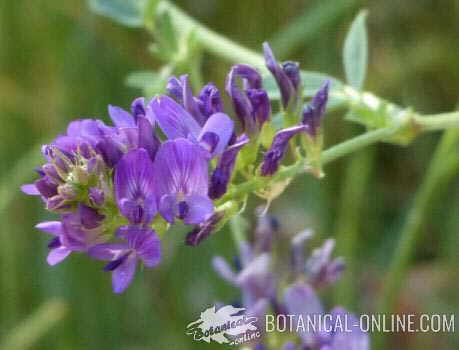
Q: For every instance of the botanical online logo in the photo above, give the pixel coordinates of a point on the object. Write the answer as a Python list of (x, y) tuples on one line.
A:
[(227, 325)]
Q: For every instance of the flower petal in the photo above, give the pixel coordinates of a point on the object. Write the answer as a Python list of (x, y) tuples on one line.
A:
[(122, 276), (204, 230), (222, 126), (109, 150), (52, 227), (173, 119), (120, 117), (221, 175), (168, 208), (108, 251), (134, 178), (146, 243), (210, 101), (314, 112), (353, 339), (257, 280), (189, 101), (199, 209), (225, 271), (147, 137), (30, 189), (180, 167), (46, 187), (138, 108), (285, 85), (301, 300), (273, 157), (56, 255)]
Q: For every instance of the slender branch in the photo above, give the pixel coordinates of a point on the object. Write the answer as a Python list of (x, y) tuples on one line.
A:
[(438, 121), (209, 39), (301, 166)]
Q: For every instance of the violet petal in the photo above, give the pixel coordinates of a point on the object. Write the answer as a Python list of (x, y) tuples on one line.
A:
[(173, 119)]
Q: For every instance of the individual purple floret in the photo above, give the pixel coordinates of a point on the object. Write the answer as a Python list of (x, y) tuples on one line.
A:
[(314, 112), (221, 175), (204, 230), (255, 279), (140, 244), (202, 107), (209, 100), (134, 184), (251, 102), (176, 122), (287, 76), (181, 179), (321, 269), (76, 232), (276, 152)]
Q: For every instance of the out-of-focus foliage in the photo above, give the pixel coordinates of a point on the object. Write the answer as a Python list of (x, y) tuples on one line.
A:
[(60, 61)]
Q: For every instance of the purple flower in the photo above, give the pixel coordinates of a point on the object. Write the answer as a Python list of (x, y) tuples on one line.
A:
[(221, 175), (251, 103), (353, 339), (273, 157), (176, 122), (209, 100), (58, 252), (123, 119), (267, 227), (297, 249), (76, 232), (30, 189), (140, 243), (301, 299), (181, 179), (82, 136), (204, 230), (314, 112), (202, 107), (287, 77), (256, 278), (134, 130), (321, 269), (134, 187)]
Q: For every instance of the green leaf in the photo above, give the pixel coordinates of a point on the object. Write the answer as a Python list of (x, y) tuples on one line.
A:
[(355, 52), (127, 12)]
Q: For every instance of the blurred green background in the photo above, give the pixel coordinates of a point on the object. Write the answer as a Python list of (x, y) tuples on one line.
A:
[(59, 61)]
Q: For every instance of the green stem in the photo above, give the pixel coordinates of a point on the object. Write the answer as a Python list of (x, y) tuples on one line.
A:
[(207, 38), (437, 121), (328, 156), (443, 166), (429, 123)]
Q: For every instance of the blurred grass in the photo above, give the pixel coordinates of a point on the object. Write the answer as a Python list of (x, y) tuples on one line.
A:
[(58, 62)]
